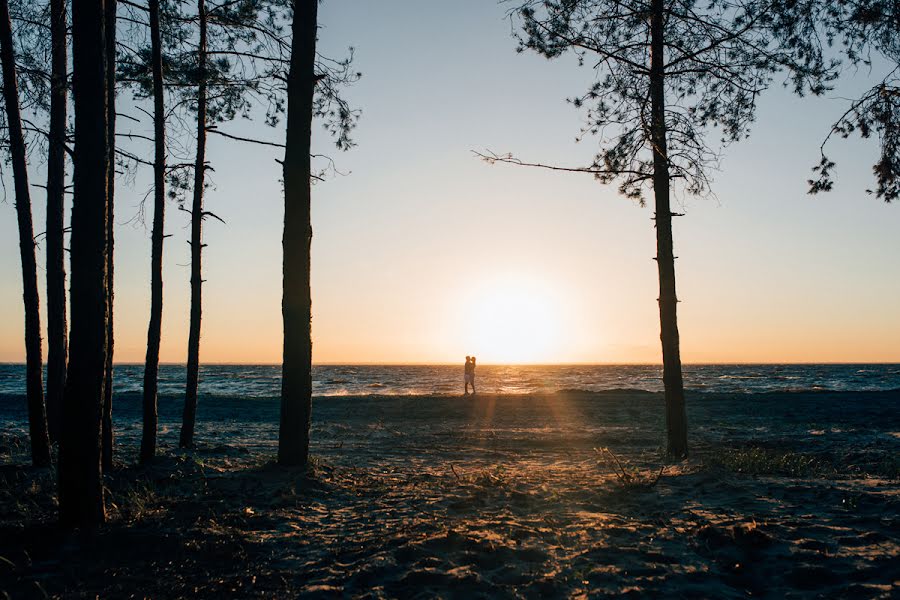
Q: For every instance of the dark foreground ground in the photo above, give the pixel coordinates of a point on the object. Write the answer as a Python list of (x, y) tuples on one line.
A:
[(789, 495)]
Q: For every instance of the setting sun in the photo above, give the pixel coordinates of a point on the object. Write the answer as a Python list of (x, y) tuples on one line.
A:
[(516, 321)]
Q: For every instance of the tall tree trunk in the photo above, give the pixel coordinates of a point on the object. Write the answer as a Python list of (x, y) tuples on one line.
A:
[(296, 304), (80, 472), (676, 419), (34, 379), (193, 363), (110, 213), (154, 331), (57, 330)]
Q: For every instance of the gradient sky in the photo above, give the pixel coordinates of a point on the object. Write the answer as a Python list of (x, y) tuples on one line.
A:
[(422, 253)]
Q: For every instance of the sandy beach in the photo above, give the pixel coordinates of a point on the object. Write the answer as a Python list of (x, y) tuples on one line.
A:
[(784, 495)]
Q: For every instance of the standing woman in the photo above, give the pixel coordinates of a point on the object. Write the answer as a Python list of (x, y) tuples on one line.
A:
[(469, 376)]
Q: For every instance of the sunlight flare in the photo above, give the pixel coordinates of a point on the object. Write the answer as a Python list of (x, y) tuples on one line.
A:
[(516, 320)]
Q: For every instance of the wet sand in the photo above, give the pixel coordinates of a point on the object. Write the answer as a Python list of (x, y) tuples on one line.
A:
[(784, 495)]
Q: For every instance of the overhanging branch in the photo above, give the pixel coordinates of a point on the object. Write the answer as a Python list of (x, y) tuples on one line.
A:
[(493, 158), (243, 139)]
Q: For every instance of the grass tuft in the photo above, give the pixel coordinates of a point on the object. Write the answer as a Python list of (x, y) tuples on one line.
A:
[(764, 461), (134, 500)]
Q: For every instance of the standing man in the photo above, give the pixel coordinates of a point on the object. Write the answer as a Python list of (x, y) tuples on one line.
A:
[(470, 375)]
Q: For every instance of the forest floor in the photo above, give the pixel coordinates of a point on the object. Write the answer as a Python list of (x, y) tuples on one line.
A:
[(496, 496)]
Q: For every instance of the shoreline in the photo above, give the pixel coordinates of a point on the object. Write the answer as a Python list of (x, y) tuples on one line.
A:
[(328, 381), (694, 394)]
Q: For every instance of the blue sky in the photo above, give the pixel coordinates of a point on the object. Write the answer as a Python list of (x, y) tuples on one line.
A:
[(417, 246)]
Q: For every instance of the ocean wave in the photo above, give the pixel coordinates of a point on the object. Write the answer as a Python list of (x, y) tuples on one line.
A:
[(265, 381), (132, 399)]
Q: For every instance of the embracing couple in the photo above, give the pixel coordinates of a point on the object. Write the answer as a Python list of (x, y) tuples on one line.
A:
[(469, 375)]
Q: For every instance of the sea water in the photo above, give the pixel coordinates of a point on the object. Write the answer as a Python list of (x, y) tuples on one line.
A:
[(264, 381)]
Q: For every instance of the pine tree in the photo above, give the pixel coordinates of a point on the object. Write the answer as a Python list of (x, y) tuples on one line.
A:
[(313, 85), (296, 306), (34, 384), (154, 329), (110, 16), (867, 31), (81, 495), (671, 75), (57, 328)]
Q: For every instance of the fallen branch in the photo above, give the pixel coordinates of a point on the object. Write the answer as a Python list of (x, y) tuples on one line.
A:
[(633, 479)]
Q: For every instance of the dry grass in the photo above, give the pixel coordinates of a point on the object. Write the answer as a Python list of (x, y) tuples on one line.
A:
[(766, 461), (628, 476)]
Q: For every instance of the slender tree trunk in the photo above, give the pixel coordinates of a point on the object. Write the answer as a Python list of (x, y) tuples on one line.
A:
[(676, 419), (296, 306), (80, 472), (110, 213), (154, 331), (34, 379), (57, 330), (193, 363)]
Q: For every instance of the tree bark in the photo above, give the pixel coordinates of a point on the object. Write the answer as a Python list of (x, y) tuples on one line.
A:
[(296, 306), (81, 502), (676, 419), (193, 363), (154, 331), (57, 329), (34, 379), (110, 213)]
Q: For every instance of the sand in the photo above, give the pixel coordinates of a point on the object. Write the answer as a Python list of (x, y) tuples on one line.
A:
[(784, 495)]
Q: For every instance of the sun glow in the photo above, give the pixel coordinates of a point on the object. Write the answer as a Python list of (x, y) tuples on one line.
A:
[(515, 321)]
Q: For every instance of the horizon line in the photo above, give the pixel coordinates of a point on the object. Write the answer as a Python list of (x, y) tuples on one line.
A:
[(498, 364)]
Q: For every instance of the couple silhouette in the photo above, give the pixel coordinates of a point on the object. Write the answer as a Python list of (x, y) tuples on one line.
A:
[(469, 375)]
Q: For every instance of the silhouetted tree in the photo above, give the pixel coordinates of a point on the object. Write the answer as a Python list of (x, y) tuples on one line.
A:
[(312, 92), (34, 386), (57, 328), (671, 72), (154, 330), (867, 30), (110, 17), (193, 362), (243, 68), (239, 65), (228, 30), (296, 305), (140, 65), (189, 73), (41, 54), (81, 493)]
